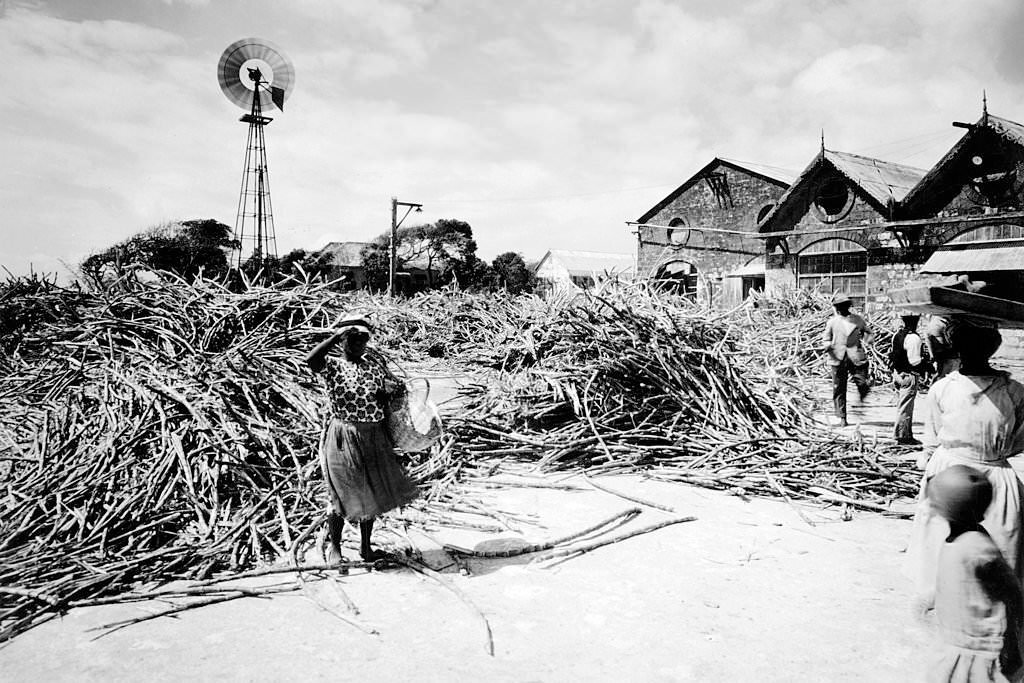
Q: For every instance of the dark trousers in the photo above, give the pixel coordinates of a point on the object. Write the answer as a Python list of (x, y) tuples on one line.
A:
[(840, 374), (906, 388)]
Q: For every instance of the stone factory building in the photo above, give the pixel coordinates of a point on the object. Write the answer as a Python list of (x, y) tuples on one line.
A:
[(827, 231), (866, 226), (702, 239)]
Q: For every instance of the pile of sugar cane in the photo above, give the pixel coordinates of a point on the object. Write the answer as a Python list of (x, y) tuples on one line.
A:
[(159, 431), (641, 384)]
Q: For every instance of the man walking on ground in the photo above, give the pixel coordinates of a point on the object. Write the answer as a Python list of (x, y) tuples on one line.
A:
[(907, 365), (843, 339)]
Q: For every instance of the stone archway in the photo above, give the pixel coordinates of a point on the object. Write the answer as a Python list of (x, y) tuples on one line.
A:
[(679, 277)]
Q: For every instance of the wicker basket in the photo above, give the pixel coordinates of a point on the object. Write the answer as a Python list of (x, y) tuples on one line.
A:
[(414, 422)]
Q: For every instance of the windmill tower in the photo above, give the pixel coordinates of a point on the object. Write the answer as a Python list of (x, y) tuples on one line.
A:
[(255, 75)]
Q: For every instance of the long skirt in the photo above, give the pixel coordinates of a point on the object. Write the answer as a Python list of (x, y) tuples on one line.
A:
[(957, 665), (362, 475), (1004, 520)]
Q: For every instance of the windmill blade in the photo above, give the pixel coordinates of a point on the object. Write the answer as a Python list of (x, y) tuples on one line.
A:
[(238, 89)]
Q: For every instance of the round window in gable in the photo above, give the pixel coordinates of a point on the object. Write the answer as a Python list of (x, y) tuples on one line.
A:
[(832, 200), (678, 234)]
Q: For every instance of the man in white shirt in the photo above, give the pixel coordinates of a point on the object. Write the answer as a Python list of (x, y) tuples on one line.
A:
[(843, 339), (907, 365)]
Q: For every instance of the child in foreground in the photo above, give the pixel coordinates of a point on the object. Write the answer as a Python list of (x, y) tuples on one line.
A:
[(977, 600)]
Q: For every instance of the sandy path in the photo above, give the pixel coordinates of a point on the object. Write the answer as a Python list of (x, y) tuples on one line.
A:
[(746, 592)]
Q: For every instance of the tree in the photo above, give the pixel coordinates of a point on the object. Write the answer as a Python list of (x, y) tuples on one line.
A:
[(313, 263), (186, 248), (511, 273), (446, 250)]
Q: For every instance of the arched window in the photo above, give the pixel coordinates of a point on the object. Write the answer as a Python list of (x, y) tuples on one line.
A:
[(678, 277), (989, 233), (834, 265), (763, 212)]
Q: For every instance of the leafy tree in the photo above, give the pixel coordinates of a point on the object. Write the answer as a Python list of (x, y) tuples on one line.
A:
[(512, 273), (445, 249), (313, 263), (376, 259), (186, 248)]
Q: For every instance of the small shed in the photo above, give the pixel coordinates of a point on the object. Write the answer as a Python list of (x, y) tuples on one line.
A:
[(566, 270), (347, 262)]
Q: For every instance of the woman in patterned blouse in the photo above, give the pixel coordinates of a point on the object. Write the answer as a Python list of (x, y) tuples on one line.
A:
[(362, 475)]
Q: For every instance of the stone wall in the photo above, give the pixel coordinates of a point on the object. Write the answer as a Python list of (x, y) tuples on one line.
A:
[(713, 254)]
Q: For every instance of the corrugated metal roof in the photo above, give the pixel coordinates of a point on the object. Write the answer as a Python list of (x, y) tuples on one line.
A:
[(883, 180), (774, 172), (580, 263), (345, 254), (976, 259)]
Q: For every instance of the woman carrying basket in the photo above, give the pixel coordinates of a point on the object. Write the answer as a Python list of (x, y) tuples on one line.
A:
[(362, 475)]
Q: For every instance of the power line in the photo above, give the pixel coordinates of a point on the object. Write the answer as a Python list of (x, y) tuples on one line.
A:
[(915, 139)]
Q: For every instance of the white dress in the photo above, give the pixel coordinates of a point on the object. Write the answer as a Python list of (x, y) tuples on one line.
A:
[(976, 421)]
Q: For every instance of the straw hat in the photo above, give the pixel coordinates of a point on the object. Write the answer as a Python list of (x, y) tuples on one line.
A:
[(840, 298), (354, 322)]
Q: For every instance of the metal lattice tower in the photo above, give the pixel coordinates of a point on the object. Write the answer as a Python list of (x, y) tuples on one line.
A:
[(255, 75), (254, 223)]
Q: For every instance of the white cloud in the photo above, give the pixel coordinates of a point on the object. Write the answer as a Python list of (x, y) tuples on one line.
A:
[(551, 134)]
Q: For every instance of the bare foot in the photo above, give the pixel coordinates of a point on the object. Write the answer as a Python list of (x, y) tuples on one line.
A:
[(334, 555)]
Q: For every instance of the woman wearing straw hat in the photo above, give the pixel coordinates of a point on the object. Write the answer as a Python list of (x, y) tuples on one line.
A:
[(362, 475)]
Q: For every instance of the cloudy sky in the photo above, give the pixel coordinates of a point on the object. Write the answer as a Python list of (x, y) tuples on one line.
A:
[(543, 124)]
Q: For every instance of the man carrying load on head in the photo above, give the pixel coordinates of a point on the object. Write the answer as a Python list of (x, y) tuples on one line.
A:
[(908, 364), (844, 339)]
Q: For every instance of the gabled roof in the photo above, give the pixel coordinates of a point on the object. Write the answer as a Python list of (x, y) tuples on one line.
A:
[(777, 176), (934, 188), (782, 176), (581, 263), (345, 254), (880, 182), (883, 180)]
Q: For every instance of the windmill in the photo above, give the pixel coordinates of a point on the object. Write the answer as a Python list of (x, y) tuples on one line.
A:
[(255, 74)]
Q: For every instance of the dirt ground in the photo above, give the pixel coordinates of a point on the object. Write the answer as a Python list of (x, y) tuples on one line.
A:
[(748, 591)]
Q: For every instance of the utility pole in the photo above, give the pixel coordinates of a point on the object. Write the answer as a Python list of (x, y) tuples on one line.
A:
[(394, 246), (395, 224)]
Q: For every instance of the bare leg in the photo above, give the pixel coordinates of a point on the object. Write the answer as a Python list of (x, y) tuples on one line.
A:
[(365, 549)]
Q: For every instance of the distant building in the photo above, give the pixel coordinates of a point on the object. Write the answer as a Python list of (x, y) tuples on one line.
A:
[(347, 262), (574, 271), (701, 240)]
